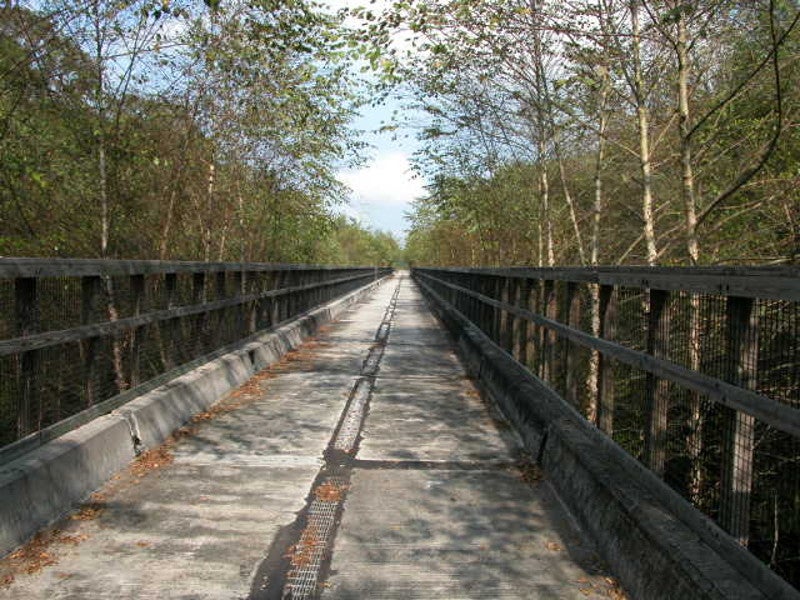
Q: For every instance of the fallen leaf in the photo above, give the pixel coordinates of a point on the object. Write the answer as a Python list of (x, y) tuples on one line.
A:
[(554, 546), (329, 492), (74, 540)]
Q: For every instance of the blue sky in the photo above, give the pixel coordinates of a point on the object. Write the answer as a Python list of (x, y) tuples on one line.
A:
[(384, 186)]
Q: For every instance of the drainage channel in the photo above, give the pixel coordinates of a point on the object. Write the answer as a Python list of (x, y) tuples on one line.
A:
[(298, 562)]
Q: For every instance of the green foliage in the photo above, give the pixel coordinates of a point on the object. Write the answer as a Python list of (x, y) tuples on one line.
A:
[(514, 92), (355, 245), (220, 127)]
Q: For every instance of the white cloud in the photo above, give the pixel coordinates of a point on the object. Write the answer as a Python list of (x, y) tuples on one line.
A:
[(387, 181)]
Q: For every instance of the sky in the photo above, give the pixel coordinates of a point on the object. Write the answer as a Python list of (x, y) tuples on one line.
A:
[(383, 188)]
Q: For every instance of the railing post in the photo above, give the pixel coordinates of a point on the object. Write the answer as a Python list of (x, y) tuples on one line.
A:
[(485, 309), (506, 320), (251, 315), (171, 326), (269, 302), (540, 333), (91, 288), (572, 306), (252, 282), (531, 330), (220, 292), (239, 283), (291, 297), (259, 307), (605, 368), (657, 389), (137, 333), (548, 347), (497, 314), (739, 432), (277, 301), (26, 306), (474, 303), (199, 321), (522, 326), (308, 295), (480, 307)]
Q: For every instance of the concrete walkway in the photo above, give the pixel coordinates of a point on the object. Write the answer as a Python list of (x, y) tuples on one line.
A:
[(366, 465)]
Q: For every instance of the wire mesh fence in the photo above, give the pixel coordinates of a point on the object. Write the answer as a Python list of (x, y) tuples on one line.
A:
[(693, 372), (81, 337)]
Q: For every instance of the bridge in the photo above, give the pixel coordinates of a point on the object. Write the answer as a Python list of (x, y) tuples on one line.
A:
[(217, 430)]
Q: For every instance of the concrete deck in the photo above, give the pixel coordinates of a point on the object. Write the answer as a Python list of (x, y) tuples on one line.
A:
[(439, 502)]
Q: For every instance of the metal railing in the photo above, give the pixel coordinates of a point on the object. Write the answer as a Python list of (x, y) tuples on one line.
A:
[(79, 338), (695, 372)]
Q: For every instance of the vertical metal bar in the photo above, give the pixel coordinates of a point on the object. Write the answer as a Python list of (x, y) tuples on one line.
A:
[(137, 333), (605, 369), (91, 288), (739, 432), (28, 322), (657, 389)]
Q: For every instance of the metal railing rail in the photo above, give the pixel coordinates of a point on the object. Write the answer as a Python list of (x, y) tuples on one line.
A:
[(78, 338)]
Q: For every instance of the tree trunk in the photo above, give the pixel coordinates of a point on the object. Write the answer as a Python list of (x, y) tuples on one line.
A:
[(209, 207), (592, 377), (571, 206), (544, 192), (690, 206), (648, 215), (694, 439)]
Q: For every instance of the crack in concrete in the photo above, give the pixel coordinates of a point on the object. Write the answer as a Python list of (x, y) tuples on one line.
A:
[(136, 435)]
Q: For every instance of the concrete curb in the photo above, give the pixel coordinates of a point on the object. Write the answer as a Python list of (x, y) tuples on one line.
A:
[(659, 545), (43, 485)]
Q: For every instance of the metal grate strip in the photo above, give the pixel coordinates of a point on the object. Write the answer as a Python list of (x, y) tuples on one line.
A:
[(309, 553)]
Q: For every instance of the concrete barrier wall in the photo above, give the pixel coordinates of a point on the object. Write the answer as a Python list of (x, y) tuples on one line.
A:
[(658, 544), (43, 485)]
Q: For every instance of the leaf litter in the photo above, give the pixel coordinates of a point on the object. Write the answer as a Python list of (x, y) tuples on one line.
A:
[(41, 550)]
